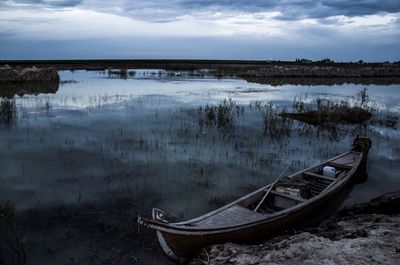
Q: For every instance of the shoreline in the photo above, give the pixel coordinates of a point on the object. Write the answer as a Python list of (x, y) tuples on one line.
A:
[(365, 233), (186, 64), (273, 73)]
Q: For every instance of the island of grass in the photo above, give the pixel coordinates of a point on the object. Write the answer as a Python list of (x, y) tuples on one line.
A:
[(341, 115), (323, 111)]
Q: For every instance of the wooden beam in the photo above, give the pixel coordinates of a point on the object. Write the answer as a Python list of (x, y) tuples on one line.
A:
[(340, 166), (318, 176), (294, 198)]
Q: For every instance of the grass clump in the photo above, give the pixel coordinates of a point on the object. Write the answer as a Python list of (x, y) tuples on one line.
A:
[(323, 111), (275, 126), (223, 116), (8, 111), (121, 73)]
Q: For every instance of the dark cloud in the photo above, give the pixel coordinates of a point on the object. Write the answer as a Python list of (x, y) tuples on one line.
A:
[(306, 8), (49, 3), (290, 10), (362, 7), (169, 10), (306, 40)]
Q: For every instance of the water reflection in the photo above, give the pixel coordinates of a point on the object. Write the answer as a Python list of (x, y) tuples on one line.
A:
[(185, 145), (9, 90), (8, 112)]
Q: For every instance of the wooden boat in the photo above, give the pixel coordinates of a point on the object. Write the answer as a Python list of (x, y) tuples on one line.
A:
[(285, 203)]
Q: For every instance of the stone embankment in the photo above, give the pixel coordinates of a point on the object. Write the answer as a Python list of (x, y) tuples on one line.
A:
[(29, 74), (367, 233)]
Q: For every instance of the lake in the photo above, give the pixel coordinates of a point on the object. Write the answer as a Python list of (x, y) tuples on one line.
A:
[(108, 146)]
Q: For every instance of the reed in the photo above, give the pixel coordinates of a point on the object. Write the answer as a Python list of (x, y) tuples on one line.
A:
[(276, 126), (222, 116), (121, 73), (8, 111)]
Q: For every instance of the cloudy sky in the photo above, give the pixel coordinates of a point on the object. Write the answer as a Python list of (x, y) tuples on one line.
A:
[(342, 30)]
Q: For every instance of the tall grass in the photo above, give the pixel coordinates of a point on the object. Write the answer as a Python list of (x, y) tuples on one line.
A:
[(276, 126), (121, 73), (8, 111), (304, 103), (223, 116)]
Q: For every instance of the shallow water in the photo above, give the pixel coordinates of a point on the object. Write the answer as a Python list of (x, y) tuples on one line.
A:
[(101, 138)]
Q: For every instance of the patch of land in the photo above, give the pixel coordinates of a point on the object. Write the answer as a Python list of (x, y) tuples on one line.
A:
[(20, 80), (317, 81), (28, 74), (367, 233), (343, 115), (266, 72)]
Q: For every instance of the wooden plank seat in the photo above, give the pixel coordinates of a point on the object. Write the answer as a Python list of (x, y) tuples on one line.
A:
[(320, 186), (287, 196), (234, 215), (315, 190), (311, 174), (338, 166)]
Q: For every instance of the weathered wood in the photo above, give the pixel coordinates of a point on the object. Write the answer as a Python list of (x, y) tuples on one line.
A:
[(235, 215), (311, 174), (339, 166), (319, 186), (270, 188), (287, 196), (236, 222)]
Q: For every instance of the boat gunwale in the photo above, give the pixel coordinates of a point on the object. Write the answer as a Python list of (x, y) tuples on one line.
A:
[(184, 229)]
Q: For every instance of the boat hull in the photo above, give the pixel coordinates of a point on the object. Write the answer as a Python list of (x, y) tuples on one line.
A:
[(187, 245), (180, 241)]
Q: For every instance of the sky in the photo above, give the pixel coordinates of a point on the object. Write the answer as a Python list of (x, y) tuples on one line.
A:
[(342, 30)]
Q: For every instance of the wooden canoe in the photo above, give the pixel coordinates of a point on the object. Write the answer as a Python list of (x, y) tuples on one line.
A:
[(238, 222)]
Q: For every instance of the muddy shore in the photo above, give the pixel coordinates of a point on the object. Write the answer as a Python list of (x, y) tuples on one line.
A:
[(367, 233)]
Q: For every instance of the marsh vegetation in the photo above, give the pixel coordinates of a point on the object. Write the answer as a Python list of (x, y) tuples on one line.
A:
[(8, 112), (80, 164), (321, 111)]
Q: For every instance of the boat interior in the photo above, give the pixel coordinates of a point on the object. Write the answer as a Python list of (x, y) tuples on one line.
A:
[(286, 192)]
